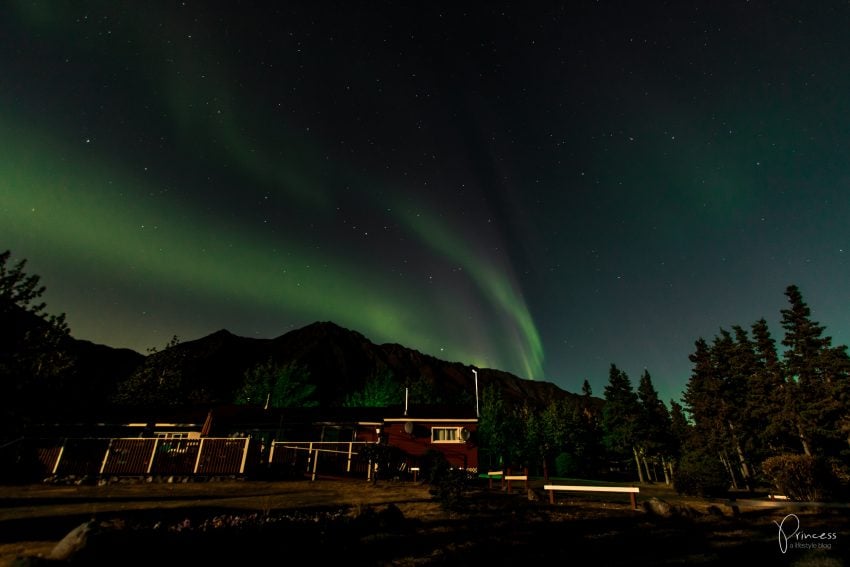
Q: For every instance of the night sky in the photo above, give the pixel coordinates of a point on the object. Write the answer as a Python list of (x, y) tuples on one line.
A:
[(543, 189)]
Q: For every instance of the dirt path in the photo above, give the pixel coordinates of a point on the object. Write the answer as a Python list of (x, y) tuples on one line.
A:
[(33, 518), (487, 527)]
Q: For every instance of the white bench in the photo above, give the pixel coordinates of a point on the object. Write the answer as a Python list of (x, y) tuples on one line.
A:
[(552, 488), (506, 478)]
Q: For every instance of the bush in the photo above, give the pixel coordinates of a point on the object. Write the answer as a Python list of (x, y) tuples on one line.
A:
[(566, 465), (805, 478), (389, 459), (447, 484), (701, 474), (434, 466)]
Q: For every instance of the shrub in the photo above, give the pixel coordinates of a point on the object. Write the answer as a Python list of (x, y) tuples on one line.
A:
[(388, 458), (805, 478), (447, 484), (566, 465), (701, 474)]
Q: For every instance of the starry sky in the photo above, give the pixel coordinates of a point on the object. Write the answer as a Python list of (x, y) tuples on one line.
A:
[(545, 189)]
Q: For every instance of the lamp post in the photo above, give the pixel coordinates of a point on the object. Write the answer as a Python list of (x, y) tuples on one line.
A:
[(475, 373)]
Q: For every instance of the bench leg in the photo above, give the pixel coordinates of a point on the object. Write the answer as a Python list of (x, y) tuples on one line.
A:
[(634, 500), (551, 497)]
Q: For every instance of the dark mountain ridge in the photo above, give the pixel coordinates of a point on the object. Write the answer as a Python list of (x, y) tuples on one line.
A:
[(212, 369), (339, 361)]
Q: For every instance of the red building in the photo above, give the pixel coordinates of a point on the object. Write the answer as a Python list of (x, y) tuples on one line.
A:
[(448, 431), (253, 442)]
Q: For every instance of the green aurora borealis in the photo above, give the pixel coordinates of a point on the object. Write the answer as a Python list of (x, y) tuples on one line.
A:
[(165, 244), (542, 191)]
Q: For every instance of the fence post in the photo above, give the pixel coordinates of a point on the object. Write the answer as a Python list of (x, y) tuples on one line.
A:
[(105, 457), (244, 455), (153, 455), (315, 462), (198, 458), (271, 454), (59, 456)]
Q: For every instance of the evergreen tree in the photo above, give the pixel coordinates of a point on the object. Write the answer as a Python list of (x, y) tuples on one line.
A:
[(158, 382), (19, 289), (499, 430), (34, 357), (812, 366), (620, 417), (767, 420), (380, 390), (701, 394), (277, 386), (680, 429), (535, 446), (572, 437), (557, 428), (710, 398), (587, 433), (653, 429)]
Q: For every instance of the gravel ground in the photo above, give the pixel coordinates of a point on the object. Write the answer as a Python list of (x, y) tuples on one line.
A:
[(396, 523)]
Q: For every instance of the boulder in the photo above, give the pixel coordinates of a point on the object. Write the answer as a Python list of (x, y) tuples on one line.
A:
[(74, 542)]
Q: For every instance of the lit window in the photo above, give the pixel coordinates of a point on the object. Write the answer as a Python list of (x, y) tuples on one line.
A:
[(170, 435), (446, 435)]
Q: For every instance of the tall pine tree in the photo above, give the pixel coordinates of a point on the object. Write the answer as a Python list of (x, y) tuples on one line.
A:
[(653, 434), (815, 374), (620, 418)]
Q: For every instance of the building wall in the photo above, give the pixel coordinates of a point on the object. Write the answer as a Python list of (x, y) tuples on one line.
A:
[(460, 454)]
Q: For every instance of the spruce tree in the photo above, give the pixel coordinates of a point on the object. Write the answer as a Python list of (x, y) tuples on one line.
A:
[(811, 365), (766, 418), (620, 417), (653, 428), (34, 355), (707, 397)]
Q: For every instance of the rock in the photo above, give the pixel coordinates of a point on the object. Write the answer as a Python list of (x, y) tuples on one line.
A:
[(686, 512), (724, 510), (534, 495), (81, 540), (664, 509), (391, 517), (74, 542), (658, 507)]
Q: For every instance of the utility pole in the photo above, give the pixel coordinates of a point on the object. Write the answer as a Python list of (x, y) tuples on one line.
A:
[(475, 373)]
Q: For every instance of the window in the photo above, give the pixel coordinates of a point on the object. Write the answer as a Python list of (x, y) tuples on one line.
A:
[(170, 435), (446, 435)]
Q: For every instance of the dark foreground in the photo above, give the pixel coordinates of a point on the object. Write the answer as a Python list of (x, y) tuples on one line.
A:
[(359, 524)]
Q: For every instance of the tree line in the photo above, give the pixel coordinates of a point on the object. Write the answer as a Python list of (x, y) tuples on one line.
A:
[(751, 415)]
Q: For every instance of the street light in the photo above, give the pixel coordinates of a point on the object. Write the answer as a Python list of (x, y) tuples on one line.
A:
[(475, 373)]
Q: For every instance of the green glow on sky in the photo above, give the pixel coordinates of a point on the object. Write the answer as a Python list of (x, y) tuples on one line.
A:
[(492, 282), (66, 200)]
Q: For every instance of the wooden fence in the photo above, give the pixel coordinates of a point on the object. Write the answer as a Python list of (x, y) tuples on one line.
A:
[(338, 458), (146, 456)]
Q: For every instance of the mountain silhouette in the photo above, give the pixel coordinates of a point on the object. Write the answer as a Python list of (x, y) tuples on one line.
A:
[(212, 370), (339, 361)]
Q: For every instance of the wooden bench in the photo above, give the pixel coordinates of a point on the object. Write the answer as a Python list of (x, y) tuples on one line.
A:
[(490, 475), (506, 478), (509, 477), (552, 488)]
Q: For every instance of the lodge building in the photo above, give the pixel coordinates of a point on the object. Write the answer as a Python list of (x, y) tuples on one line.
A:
[(249, 442)]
